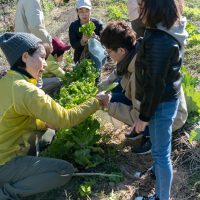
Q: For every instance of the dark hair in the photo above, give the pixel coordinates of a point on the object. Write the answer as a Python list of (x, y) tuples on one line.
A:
[(48, 51), (166, 12), (20, 63), (57, 53), (118, 34)]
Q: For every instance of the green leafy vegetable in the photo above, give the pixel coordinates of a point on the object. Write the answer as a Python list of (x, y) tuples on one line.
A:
[(78, 144), (87, 29), (110, 87), (195, 135)]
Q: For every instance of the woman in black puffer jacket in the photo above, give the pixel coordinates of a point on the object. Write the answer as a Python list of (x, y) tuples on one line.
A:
[(158, 83)]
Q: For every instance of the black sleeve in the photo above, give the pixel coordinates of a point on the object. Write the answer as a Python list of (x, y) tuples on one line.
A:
[(74, 35), (99, 26), (157, 56)]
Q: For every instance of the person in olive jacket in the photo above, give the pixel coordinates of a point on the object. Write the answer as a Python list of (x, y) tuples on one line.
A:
[(26, 109), (77, 40)]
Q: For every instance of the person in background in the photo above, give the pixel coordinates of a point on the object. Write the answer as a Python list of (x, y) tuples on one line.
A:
[(53, 68), (133, 14), (158, 83), (79, 41), (53, 74), (139, 27), (29, 18), (25, 110)]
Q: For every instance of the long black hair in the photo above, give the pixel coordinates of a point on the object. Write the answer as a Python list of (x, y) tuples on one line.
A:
[(166, 12)]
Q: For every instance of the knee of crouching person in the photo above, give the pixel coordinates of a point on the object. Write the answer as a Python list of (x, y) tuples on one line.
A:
[(67, 168)]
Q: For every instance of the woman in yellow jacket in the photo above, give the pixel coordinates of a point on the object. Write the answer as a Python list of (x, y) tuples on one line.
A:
[(25, 109)]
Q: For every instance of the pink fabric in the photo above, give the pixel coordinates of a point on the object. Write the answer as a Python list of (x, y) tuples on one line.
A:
[(58, 45), (133, 9)]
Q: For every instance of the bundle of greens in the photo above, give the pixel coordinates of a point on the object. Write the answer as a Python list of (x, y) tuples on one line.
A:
[(87, 29), (79, 144)]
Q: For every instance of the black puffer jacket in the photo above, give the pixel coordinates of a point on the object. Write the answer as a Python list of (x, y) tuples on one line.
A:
[(157, 66)]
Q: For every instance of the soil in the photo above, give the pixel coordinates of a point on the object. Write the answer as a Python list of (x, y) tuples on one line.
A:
[(118, 148)]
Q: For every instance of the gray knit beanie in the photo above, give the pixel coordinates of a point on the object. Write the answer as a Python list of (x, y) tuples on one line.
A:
[(14, 45)]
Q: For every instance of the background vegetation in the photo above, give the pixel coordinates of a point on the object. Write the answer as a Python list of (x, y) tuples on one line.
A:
[(115, 153)]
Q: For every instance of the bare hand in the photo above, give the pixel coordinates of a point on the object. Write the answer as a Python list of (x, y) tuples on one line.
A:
[(51, 47), (84, 40), (94, 34), (104, 99), (139, 126), (50, 126)]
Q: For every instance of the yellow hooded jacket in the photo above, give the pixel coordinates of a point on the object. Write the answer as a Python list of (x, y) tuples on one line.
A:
[(24, 108), (53, 69)]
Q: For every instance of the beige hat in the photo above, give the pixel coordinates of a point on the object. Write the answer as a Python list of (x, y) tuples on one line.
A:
[(84, 4)]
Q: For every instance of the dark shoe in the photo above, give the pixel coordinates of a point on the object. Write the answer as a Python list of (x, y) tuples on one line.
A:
[(132, 135), (152, 174), (147, 198), (144, 148)]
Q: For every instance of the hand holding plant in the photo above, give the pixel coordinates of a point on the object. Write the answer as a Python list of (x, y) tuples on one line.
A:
[(104, 99), (88, 29), (84, 40)]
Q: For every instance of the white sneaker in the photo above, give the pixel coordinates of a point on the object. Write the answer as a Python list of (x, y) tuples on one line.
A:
[(147, 198)]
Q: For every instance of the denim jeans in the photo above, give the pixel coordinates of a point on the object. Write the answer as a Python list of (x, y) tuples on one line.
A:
[(160, 128)]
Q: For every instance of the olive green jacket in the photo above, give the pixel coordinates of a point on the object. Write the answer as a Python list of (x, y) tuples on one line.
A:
[(25, 108), (53, 69)]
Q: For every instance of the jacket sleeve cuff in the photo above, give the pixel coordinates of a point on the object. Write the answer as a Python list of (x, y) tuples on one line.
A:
[(144, 118), (111, 109), (40, 125)]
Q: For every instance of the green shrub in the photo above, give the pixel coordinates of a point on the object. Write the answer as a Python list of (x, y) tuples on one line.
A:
[(194, 39), (47, 6), (193, 13), (192, 3), (192, 57), (117, 11), (195, 135), (192, 95), (191, 28)]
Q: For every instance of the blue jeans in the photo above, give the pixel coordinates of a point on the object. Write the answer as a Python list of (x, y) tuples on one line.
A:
[(160, 128)]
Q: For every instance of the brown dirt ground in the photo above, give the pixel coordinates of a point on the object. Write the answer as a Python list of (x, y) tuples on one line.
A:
[(57, 23)]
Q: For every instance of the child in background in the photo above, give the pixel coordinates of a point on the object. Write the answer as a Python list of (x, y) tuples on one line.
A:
[(53, 74), (77, 39), (53, 68)]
